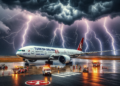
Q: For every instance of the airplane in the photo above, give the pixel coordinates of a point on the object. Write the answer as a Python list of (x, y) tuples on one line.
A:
[(33, 53)]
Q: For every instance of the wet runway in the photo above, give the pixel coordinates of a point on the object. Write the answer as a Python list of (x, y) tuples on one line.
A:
[(66, 75), (84, 79), (112, 66)]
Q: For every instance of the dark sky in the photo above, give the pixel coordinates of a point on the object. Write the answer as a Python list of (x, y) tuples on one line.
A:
[(60, 23)]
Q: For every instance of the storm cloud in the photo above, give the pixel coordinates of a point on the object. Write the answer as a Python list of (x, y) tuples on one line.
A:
[(67, 11)]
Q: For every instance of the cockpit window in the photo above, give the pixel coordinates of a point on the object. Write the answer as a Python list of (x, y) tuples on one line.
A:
[(23, 50)]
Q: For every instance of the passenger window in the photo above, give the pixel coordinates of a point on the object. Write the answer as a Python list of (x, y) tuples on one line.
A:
[(47, 49), (43, 48), (52, 50), (39, 48), (23, 50)]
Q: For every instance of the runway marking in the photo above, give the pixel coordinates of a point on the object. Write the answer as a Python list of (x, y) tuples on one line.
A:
[(37, 82), (65, 74), (61, 76)]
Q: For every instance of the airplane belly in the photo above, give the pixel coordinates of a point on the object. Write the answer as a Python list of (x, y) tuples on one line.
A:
[(39, 57), (42, 56)]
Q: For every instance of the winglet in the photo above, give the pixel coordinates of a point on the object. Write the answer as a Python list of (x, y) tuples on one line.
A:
[(80, 45)]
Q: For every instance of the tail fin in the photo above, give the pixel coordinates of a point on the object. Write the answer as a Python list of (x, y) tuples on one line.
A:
[(80, 45)]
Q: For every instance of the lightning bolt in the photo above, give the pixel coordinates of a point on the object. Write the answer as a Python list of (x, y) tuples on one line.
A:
[(62, 37), (76, 34), (92, 44), (45, 25), (15, 34), (26, 30), (4, 38), (37, 31), (112, 39), (60, 28), (88, 30), (53, 39), (118, 36), (98, 41), (86, 35)]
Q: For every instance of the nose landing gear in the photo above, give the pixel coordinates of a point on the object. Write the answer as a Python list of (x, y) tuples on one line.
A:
[(26, 62)]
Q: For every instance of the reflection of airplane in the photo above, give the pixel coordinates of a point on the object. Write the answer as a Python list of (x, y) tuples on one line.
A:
[(33, 53)]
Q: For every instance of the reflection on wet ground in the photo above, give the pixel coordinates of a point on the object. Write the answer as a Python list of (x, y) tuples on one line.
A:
[(106, 66), (106, 74), (84, 79)]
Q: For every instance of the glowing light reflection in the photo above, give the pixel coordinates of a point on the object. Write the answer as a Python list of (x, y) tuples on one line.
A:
[(114, 66)]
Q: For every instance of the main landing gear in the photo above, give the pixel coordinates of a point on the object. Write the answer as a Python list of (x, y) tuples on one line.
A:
[(49, 62), (70, 63)]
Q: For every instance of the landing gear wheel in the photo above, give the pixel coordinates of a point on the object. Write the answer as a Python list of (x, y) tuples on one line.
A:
[(50, 74), (49, 62), (26, 64), (70, 63), (24, 60)]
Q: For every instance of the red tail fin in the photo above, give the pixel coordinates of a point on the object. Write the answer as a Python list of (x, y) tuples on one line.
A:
[(80, 45)]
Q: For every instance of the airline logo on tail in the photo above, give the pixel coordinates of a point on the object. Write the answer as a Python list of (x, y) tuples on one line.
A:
[(80, 45)]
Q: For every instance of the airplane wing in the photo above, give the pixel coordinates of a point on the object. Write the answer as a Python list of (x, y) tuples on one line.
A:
[(81, 45), (97, 52)]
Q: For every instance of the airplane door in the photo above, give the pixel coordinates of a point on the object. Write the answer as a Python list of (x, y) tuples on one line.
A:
[(32, 54), (44, 51)]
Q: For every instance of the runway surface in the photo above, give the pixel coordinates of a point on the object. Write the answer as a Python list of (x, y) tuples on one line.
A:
[(110, 66), (84, 79), (107, 74)]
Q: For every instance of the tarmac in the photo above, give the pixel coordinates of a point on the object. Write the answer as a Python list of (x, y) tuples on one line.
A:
[(83, 79), (107, 74)]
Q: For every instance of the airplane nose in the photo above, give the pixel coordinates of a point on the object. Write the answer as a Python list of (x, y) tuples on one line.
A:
[(18, 53)]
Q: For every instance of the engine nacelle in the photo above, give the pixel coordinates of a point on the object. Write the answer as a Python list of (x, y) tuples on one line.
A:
[(64, 59)]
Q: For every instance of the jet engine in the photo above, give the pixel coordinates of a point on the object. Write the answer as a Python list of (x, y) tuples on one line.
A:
[(64, 59)]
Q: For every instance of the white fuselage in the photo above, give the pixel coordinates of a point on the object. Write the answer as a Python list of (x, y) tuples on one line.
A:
[(40, 52)]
